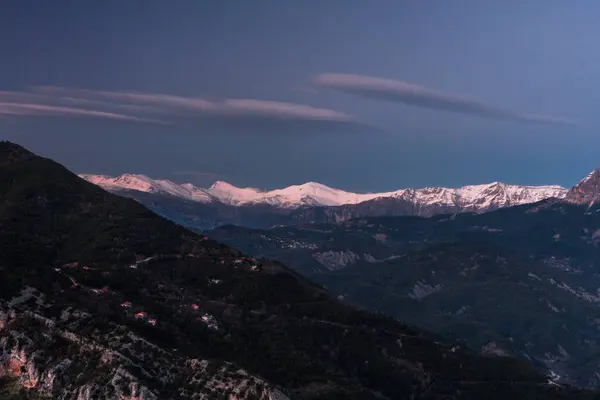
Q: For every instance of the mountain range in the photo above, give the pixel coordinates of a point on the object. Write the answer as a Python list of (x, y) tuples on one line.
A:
[(522, 281), (477, 197), (100, 298), (223, 203)]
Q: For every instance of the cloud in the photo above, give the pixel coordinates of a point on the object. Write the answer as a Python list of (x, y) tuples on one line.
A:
[(129, 98), (275, 109), (26, 109), (407, 93), (192, 114), (202, 107), (66, 100), (13, 103)]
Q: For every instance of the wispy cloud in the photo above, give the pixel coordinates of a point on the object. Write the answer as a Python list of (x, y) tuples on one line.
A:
[(23, 109), (407, 93), (35, 97), (130, 98), (277, 109), (203, 107), (14, 103), (227, 115)]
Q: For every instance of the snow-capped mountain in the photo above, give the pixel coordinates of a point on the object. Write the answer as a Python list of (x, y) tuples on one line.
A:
[(474, 197), (480, 197), (142, 183)]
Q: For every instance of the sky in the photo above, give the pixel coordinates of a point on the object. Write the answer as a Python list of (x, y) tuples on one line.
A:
[(361, 96)]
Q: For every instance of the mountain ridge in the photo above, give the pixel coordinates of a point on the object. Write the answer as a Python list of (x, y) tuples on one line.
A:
[(224, 204), (317, 194)]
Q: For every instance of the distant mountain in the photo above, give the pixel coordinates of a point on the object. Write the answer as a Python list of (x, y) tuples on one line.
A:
[(142, 183), (102, 299), (223, 203), (522, 280)]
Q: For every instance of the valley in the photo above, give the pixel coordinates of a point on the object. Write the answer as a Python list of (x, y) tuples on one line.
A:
[(521, 281)]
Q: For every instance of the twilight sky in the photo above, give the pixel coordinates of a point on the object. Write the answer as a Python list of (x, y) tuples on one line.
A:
[(363, 96)]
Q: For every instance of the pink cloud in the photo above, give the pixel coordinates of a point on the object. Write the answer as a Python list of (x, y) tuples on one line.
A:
[(226, 108), (9, 108), (408, 93), (130, 97), (282, 110), (233, 114)]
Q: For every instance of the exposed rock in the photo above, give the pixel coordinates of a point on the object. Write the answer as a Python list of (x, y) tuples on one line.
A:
[(587, 191), (422, 290), (335, 260)]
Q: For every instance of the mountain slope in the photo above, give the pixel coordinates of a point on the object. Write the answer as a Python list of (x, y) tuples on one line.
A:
[(523, 278), (142, 183), (81, 318), (223, 203), (587, 191)]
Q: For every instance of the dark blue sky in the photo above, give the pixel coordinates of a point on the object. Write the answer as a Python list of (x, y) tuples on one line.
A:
[(505, 91)]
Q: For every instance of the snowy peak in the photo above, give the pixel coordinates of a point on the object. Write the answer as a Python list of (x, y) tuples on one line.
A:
[(143, 183), (473, 198), (313, 193), (587, 191), (498, 194), (310, 193), (140, 183), (476, 198), (233, 195), (224, 186)]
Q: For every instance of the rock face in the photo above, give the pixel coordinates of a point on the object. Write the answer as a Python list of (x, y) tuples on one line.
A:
[(587, 191), (334, 260), (119, 365)]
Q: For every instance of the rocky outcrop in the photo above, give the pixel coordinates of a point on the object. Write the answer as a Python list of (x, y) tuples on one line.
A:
[(421, 290), (335, 260), (32, 353), (587, 191)]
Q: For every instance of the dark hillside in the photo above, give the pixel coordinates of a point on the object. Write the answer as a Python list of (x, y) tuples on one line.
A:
[(102, 299)]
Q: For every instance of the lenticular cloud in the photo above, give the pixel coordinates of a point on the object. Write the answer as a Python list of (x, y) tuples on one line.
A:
[(407, 93)]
